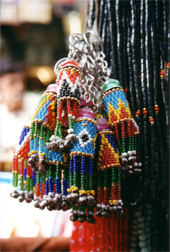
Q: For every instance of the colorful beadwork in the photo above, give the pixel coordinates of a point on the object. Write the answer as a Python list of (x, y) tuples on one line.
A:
[(81, 191), (68, 93), (109, 173), (120, 119), (43, 123), (69, 159)]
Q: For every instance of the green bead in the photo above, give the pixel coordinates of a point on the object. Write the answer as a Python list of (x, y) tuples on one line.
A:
[(82, 181), (28, 184), (48, 135), (22, 183), (129, 145), (13, 179), (90, 182), (113, 175), (37, 177), (71, 122), (58, 171), (75, 178), (109, 84), (16, 179)]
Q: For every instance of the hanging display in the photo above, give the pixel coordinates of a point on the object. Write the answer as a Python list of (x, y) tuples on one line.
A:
[(58, 158)]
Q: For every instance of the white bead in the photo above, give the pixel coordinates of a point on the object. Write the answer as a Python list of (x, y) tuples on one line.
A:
[(70, 131)]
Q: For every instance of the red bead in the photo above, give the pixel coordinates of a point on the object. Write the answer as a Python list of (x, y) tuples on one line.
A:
[(145, 111), (151, 120), (156, 108), (162, 73), (138, 113), (126, 89)]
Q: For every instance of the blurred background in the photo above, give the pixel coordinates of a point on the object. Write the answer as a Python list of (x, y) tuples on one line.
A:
[(34, 35)]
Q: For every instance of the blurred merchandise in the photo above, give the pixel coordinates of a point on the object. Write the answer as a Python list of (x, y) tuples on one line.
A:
[(13, 222), (35, 11), (9, 11), (44, 73), (72, 23)]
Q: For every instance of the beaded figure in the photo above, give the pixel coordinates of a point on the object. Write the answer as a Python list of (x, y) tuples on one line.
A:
[(68, 93)]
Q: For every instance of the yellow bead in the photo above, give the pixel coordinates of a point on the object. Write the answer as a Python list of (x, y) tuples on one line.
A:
[(92, 192), (88, 192)]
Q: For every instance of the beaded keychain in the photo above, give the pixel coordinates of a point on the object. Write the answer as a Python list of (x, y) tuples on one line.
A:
[(21, 153), (68, 93), (120, 119), (81, 174), (109, 172), (62, 160)]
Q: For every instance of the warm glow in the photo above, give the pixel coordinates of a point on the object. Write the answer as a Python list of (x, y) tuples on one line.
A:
[(44, 75), (75, 22)]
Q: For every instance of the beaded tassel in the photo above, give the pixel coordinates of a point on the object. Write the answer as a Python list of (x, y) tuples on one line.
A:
[(120, 119), (14, 192), (20, 155), (43, 120), (109, 173), (81, 191), (68, 92)]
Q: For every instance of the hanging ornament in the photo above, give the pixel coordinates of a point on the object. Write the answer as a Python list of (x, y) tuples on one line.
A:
[(68, 93), (109, 172), (19, 164), (42, 124), (120, 119), (81, 191), (67, 158)]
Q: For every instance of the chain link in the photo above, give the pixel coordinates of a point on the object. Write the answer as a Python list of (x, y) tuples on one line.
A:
[(86, 49)]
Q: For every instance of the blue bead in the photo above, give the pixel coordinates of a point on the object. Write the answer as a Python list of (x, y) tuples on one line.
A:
[(34, 178), (46, 187), (71, 166), (25, 173), (64, 187), (51, 189)]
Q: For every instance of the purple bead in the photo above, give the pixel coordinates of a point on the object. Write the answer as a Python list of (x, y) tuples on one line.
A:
[(86, 112), (102, 124)]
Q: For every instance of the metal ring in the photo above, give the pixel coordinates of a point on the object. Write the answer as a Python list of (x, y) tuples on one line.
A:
[(56, 67)]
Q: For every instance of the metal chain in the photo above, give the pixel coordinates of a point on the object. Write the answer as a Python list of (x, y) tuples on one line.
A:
[(86, 49)]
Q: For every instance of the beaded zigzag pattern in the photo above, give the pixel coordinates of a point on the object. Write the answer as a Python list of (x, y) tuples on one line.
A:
[(108, 153), (68, 83), (116, 106)]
